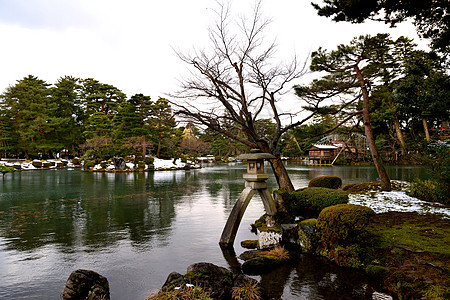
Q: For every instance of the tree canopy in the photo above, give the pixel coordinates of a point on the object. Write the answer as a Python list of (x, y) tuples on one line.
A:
[(431, 17)]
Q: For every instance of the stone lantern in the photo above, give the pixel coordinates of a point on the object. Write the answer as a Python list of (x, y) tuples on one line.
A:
[(255, 180)]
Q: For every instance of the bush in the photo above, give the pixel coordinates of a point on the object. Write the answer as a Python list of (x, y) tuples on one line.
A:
[(308, 202), (361, 187), (341, 224), (89, 164), (428, 190), (331, 182)]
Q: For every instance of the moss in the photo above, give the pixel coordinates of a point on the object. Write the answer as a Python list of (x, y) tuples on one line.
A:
[(376, 271), (261, 261), (89, 164), (342, 223), (331, 182), (355, 188), (182, 293), (249, 244), (261, 224), (416, 232), (309, 222), (435, 292), (308, 202)]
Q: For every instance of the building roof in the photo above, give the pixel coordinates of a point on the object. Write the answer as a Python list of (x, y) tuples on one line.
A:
[(324, 147)]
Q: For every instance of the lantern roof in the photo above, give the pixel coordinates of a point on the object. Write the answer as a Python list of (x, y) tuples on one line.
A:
[(254, 154)]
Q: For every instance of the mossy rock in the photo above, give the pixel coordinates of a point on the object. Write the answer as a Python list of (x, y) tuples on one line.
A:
[(89, 164), (48, 164), (307, 235), (261, 261), (342, 223), (103, 164), (141, 165), (351, 256), (37, 164), (331, 182), (249, 244), (309, 202), (76, 161), (261, 224)]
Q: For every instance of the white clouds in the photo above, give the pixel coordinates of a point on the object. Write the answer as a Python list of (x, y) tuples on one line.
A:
[(129, 43)]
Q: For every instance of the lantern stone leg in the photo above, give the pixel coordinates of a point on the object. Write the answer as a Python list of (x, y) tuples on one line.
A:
[(234, 220)]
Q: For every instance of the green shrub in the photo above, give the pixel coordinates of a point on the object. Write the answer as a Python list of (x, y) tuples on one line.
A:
[(149, 160), (360, 187), (308, 202), (5, 169), (341, 224), (331, 182), (89, 164), (344, 256), (428, 190)]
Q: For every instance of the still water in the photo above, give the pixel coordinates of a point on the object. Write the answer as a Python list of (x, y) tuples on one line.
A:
[(136, 228)]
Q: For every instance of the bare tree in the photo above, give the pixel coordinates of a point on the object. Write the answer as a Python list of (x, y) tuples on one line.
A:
[(239, 81)]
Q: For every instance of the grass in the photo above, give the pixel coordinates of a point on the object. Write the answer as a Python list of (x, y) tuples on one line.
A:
[(182, 293), (249, 291)]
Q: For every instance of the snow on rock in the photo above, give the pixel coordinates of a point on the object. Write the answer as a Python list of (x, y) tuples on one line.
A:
[(164, 164)]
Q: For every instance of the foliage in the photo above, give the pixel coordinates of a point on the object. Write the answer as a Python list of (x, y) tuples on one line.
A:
[(342, 223), (431, 17), (182, 293), (310, 201), (345, 256), (248, 291), (331, 182), (5, 169), (359, 187), (429, 190), (279, 253), (352, 71)]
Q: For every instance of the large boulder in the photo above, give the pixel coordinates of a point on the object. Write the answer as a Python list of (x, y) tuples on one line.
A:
[(86, 284), (218, 280)]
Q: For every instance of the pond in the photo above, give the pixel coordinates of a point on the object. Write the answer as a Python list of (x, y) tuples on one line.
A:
[(136, 228)]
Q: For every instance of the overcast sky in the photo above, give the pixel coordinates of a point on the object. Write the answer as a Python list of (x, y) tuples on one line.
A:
[(129, 44)]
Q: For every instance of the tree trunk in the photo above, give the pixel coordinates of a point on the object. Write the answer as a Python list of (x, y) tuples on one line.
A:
[(425, 128), (279, 170), (385, 181), (399, 134)]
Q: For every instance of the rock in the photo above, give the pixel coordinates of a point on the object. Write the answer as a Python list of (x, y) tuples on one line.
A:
[(268, 238), (307, 235), (249, 244), (37, 163), (86, 284), (259, 262), (218, 280)]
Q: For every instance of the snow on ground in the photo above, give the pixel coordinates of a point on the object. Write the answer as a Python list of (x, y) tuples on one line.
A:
[(381, 201)]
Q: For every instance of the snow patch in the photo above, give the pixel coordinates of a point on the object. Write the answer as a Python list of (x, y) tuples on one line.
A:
[(382, 201)]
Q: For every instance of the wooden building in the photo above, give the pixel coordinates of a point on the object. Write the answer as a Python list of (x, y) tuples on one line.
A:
[(322, 154)]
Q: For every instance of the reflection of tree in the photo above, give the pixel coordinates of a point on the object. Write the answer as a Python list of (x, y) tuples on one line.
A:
[(96, 210)]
